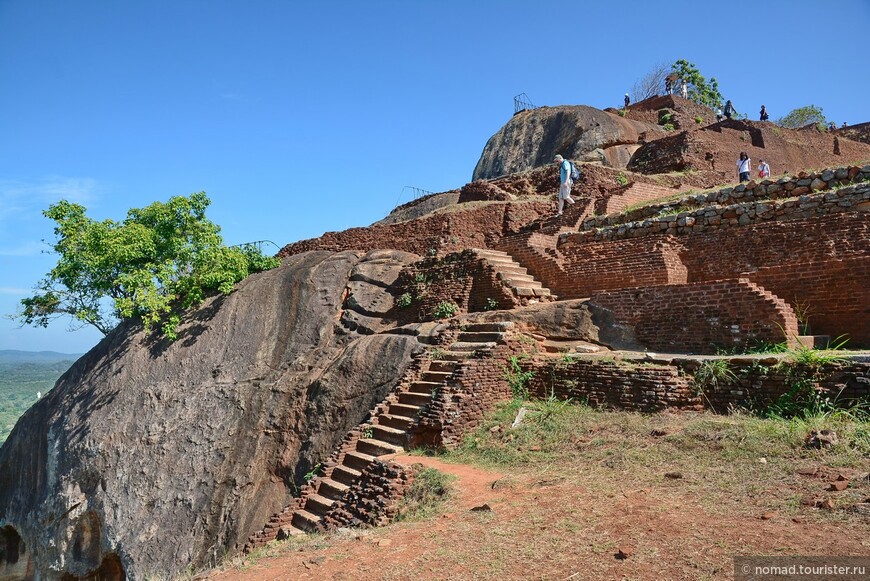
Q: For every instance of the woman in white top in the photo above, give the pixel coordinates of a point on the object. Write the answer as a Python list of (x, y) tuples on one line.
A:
[(744, 166), (763, 169)]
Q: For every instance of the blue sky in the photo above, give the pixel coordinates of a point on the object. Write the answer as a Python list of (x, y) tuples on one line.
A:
[(299, 117)]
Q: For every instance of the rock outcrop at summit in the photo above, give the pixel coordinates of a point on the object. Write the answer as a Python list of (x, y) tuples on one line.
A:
[(533, 137), (147, 459)]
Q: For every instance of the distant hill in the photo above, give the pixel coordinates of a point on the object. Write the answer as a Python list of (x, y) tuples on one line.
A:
[(13, 355), (23, 374)]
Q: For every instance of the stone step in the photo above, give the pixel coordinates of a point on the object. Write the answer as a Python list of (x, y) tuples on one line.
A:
[(356, 459), (518, 283), (331, 488), (394, 421), (288, 531), (403, 409), (346, 475), (508, 269), (499, 262), (468, 347), (815, 341), (488, 327), (526, 291), (438, 377), (307, 521), (505, 275), (395, 436), (375, 447), (424, 386), (442, 366), (458, 356), (489, 252), (415, 399), (319, 505), (479, 337)]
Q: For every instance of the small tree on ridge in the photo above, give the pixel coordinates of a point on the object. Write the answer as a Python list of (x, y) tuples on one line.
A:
[(161, 260)]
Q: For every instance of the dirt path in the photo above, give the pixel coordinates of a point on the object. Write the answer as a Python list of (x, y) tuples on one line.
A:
[(361, 553), (550, 525)]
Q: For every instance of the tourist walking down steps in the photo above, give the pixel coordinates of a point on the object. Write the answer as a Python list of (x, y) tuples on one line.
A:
[(564, 182), (744, 166)]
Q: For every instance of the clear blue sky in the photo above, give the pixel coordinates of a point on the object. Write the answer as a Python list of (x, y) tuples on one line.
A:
[(302, 117)]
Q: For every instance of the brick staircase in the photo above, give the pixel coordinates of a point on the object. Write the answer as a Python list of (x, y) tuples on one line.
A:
[(522, 284), (388, 432)]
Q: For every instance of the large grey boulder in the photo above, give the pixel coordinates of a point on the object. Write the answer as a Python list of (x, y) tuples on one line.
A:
[(153, 457), (532, 138)]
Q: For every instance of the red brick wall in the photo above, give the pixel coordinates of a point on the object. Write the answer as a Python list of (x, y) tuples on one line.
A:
[(624, 385), (461, 278), (700, 317), (727, 254), (619, 199), (459, 408), (756, 384), (836, 293), (444, 232), (627, 263)]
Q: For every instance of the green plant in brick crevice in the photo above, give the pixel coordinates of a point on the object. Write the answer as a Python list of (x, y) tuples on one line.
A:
[(367, 432), (804, 370), (802, 311), (437, 354), (404, 300), (445, 310), (668, 127), (621, 179), (713, 374), (518, 379), (313, 472), (490, 304)]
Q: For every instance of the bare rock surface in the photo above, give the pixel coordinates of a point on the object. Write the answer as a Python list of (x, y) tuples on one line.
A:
[(581, 133), (153, 457)]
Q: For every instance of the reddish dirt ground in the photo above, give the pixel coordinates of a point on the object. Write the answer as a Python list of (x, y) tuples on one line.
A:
[(547, 526)]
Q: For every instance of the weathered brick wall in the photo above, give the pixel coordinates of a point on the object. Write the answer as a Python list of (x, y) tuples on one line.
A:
[(653, 386), (626, 196), (536, 252), (835, 293), (758, 383), (625, 385), (458, 408), (440, 233), (786, 187), (594, 267), (725, 254), (373, 500), (812, 202), (699, 317), (460, 278)]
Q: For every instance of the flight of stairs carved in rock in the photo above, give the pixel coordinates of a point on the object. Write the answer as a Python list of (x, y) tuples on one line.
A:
[(522, 284), (388, 432)]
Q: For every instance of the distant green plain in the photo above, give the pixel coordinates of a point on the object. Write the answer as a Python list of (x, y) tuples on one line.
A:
[(19, 383)]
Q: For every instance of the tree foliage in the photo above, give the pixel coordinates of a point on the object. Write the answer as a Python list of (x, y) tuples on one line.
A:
[(650, 84), (700, 90), (161, 260), (804, 116)]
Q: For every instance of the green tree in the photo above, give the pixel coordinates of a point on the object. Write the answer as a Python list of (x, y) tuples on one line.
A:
[(700, 90), (161, 260), (804, 116)]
